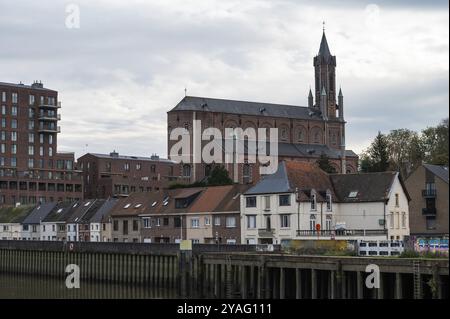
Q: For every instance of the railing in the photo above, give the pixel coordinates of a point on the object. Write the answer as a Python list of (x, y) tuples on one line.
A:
[(46, 117), (342, 233), (429, 193), (428, 211), (46, 105)]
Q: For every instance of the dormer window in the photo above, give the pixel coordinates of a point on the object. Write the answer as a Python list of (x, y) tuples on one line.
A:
[(126, 206)]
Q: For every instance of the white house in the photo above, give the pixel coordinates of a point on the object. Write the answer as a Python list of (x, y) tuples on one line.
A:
[(96, 225), (11, 219), (300, 201), (31, 225)]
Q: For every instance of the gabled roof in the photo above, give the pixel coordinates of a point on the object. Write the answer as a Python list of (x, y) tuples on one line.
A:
[(86, 218), (39, 213), (231, 202), (60, 213), (205, 104), (438, 170), (369, 187), (135, 204), (104, 210), (10, 215), (81, 208)]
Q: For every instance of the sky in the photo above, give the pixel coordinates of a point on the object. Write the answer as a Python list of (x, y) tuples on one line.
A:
[(127, 63)]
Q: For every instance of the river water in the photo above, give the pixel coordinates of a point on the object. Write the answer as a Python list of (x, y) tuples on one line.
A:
[(31, 287)]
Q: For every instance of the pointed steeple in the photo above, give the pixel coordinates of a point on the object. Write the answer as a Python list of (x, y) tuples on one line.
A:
[(324, 50), (340, 92), (323, 93), (310, 93), (310, 98)]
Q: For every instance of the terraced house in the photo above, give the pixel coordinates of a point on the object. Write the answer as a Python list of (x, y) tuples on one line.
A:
[(11, 219), (31, 225), (300, 201)]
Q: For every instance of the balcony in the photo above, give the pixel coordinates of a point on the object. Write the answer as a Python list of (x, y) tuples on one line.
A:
[(45, 117), (429, 193), (428, 211), (49, 129), (342, 233), (266, 232), (50, 106)]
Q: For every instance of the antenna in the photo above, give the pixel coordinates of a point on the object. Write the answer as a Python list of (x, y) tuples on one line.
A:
[(185, 91)]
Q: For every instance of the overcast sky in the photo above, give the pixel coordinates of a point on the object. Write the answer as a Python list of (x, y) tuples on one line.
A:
[(129, 62)]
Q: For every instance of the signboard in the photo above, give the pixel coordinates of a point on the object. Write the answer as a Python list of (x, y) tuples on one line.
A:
[(186, 245)]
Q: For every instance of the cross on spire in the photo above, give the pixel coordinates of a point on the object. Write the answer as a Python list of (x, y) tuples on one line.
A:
[(323, 23)]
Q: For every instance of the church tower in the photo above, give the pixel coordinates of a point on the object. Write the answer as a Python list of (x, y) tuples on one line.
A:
[(325, 79)]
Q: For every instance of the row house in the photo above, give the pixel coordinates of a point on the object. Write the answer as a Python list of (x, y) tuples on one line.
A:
[(31, 225), (11, 219), (300, 201)]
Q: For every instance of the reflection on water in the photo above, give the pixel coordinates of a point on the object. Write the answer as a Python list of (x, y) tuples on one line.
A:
[(28, 287)]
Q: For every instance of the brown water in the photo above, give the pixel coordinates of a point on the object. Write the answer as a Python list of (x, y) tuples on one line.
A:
[(30, 287)]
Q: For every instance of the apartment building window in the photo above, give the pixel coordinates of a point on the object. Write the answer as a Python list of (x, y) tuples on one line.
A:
[(30, 150), (116, 225), (312, 222), (31, 100), (2, 162), (30, 112), (207, 221), (3, 136), (135, 225), (251, 221), (3, 96), (285, 200), (14, 111), (13, 161), (396, 200), (138, 167), (50, 151), (153, 168), (125, 227), (30, 163), (14, 98), (13, 149), (3, 123), (14, 136), (126, 166), (195, 223), (50, 139), (30, 138), (3, 148), (31, 125), (41, 151), (431, 222), (41, 138), (266, 202), (42, 100), (250, 201), (13, 123), (231, 222), (285, 221)]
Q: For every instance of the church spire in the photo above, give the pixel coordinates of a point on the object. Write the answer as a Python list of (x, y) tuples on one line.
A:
[(310, 98), (324, 50)]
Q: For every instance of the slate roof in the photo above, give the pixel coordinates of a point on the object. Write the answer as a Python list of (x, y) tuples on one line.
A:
[(60, 213), (39, 213), (324, 50), (371, 187), (306, 176), (205, 104), (86, 218), (82, 207), (104, 210), (439, 171), (14, 214)]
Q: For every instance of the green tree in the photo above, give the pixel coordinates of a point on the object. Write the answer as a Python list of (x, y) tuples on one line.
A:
[(219, 176), (405, 150), (435, 143), (376, 158), (325, 164)]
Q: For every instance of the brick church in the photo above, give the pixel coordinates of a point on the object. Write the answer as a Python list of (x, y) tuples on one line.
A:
[(304, 132)]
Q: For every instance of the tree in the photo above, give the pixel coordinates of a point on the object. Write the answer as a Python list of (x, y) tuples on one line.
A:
[(405, 151), (219, 176), (325, 164), (376, 158), (435, 143)]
